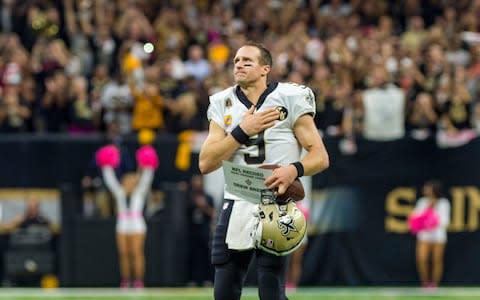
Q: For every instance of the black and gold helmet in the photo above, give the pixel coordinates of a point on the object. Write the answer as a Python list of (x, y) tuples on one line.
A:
[(281, 228)]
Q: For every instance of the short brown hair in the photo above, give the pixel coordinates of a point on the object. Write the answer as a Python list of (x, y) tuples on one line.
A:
[(265, 55)]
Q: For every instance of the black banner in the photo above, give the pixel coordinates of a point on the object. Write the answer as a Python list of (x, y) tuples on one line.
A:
[(359, 234)]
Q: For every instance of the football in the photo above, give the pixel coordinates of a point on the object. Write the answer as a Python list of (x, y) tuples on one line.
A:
[(295, 191)]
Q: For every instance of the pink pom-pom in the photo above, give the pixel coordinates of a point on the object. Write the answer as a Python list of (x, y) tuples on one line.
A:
[(423, 221), (108, 156), (147, 157), (431, 219), (415, 223)]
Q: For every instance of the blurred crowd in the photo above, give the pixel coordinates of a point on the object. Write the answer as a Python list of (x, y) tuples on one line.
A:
[(381, 69)]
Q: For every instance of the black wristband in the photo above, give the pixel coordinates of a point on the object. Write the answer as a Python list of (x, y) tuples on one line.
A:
[(298, 165), (239, 135)]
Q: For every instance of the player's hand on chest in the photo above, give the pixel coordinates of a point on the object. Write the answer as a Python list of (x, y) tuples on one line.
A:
[(254, 122)]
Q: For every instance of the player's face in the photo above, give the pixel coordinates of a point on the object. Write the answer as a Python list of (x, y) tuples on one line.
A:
[(247, 68)]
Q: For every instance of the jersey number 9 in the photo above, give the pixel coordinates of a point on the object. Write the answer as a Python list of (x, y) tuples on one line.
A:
[(260, 143)]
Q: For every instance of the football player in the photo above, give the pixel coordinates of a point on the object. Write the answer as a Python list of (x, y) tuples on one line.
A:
[(252, 123)]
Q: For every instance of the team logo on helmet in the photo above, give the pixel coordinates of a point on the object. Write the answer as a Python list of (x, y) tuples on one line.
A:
[(286, 225), (283, 112), (280, 229)]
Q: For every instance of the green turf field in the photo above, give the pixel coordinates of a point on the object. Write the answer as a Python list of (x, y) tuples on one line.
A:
[(370, 293)]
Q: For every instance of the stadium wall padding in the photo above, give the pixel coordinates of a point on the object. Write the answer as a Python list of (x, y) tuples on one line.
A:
[(89, 254), (357, 235)]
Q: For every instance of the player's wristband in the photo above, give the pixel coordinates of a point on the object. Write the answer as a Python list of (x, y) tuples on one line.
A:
[(239, 135), (298, 165)]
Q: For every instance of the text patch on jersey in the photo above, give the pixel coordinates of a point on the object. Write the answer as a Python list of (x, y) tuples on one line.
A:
[(283, 112)]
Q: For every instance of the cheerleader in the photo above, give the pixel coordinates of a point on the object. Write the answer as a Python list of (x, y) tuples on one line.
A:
[(130, 195), (429, 221)]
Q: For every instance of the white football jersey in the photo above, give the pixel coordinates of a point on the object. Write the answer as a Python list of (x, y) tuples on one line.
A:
[(384, 113), (276, 145)]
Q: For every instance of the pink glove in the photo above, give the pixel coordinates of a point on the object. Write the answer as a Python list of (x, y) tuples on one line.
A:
[(108, 156), (147, 157)]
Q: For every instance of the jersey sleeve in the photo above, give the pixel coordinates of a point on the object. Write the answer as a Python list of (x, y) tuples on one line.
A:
[(304, 103), (215, 111)]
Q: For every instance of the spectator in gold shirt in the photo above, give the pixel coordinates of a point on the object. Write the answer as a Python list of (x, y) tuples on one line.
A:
[(147, 108)]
